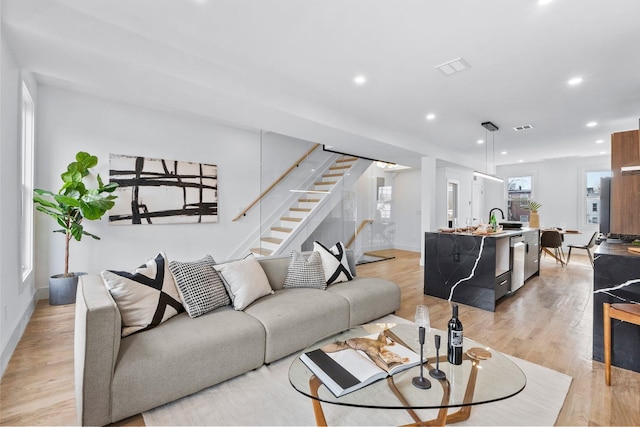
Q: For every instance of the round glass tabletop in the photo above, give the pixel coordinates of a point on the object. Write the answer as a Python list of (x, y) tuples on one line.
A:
[(485, 375)]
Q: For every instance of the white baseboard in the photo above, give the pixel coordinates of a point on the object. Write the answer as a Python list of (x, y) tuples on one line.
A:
[(12, 343), (42, 293)]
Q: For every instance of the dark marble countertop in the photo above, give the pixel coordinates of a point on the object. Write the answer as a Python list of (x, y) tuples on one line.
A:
[(619, 249), (506, 233)]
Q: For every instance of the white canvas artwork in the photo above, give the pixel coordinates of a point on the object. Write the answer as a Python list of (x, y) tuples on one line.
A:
[(158, 191)]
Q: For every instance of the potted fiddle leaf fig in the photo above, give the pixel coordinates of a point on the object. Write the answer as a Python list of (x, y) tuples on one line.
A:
[(72, 204)]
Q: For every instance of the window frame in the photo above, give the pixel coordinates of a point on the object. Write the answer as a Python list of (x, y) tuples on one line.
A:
[(27, 173), (585, 204)]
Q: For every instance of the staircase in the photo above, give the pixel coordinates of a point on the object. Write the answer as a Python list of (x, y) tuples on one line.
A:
[(281, 234)]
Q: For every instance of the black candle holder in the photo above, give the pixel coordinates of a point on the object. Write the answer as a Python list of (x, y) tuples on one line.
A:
[(421, 381), (437, 373)]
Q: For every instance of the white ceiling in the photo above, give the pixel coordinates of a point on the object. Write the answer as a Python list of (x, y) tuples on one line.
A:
[(288, 66)]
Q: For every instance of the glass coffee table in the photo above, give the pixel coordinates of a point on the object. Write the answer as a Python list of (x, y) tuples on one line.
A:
[(484, 376)]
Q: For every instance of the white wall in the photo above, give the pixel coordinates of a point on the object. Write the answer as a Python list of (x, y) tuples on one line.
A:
[(17, 298), (69, 122), (559, 185), (407, 210)]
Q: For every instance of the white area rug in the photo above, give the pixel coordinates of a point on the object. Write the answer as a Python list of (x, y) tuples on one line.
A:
[(265, 397)]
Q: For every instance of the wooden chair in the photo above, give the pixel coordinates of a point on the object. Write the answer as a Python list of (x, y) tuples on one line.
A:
[(586, 247), (625, 312)]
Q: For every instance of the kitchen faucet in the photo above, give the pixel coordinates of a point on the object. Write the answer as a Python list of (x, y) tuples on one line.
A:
[(496, 209)]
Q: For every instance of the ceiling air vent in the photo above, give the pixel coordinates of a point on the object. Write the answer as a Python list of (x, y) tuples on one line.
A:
[(453, 66), (524, 127)]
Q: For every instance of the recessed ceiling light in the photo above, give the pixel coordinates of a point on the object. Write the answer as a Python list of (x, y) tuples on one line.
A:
[(592, 124), (600, 141), (575, 81), (503, 152), (431, 116), (360, 79), (520, 161), (603, 152), (543, 2), (481, 141)]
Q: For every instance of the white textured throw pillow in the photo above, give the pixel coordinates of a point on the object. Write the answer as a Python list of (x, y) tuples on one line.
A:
[(245, 280), (305, 273), (334, 262), (146, 296), (200, 286)]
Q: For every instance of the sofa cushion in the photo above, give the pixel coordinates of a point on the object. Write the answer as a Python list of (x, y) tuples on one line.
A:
[(245, 280), (146, 296), (296, 318), (369, 298), (200, 286), (334, 262), (183, 356), (305, 272)]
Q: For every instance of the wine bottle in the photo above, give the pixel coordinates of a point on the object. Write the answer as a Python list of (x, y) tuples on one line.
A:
[(454, 347)]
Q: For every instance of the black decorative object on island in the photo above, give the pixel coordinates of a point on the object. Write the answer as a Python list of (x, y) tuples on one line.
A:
[(454, 345), (437, 373), (421, 381)]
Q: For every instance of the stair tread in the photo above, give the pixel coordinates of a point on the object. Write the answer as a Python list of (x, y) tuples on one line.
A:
[(300, 209), (347, 159), (288, 218), (261, 251), (326, 182), (274, 240), (308, 200), (282, 229), (338, 167), (332, 175)]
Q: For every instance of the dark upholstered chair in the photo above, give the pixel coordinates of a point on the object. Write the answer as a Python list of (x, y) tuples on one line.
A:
[(625, 312), (552, 239), (586, 247)]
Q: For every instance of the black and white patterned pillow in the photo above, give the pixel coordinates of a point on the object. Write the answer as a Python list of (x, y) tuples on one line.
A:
[(305, 273), (334, 262), (200, 287), (146, 296)]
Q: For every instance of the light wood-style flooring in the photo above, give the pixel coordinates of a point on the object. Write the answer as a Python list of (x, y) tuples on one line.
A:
[(547, 322)]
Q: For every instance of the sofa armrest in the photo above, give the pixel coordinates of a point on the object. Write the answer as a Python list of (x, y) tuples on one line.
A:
[(96, 347)]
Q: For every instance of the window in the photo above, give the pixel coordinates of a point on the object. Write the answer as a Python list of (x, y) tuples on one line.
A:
[(384, 202), (27, 143), (592, 195), (518, 192)]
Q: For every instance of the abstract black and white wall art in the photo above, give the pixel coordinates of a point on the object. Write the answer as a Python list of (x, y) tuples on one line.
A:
[(158, 191)]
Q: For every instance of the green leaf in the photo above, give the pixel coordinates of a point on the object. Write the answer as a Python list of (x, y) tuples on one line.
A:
[(86, 159), (43, 192), (77, 231), (100, 183), (66, 200), (90, 235), (45, 202), (110, 188)]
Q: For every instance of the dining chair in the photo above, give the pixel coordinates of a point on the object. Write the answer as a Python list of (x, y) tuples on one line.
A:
[(552, 239), (625, 312), (586, 247)]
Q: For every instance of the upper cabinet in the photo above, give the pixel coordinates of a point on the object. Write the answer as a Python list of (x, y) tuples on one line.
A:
[(625, 188)]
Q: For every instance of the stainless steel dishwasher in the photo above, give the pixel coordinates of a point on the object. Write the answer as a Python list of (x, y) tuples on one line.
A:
[(517, 262)]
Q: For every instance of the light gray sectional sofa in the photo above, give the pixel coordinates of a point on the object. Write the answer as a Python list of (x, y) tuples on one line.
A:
[(120, 377)]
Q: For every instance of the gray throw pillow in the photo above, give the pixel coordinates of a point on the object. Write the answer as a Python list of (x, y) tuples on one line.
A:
[(305, 273), (200, 287)]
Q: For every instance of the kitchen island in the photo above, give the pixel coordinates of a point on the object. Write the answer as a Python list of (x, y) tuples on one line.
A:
[(478, 270), (616, 279)]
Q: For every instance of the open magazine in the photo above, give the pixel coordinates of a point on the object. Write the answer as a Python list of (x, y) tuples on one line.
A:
[(346, 366)]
